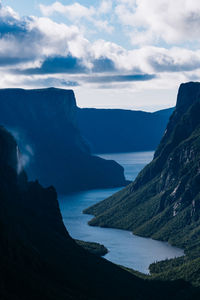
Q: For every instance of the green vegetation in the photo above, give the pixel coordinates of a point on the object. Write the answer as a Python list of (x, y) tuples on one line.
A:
[(164, 201), (178, 268), (94, 248)]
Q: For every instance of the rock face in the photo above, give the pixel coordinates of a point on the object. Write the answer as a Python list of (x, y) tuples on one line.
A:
[(44, 124), (117, 130), (39, 260), (164, 200)]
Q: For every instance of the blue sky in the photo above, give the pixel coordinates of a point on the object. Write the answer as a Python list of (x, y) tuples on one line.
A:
[(122, 54)]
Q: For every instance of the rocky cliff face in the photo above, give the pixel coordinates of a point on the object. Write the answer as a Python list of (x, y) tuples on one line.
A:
[(44, 124), (39, 260), (164, 200)]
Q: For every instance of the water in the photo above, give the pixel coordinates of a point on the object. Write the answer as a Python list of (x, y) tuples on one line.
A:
[(124, 248), (132, 162)]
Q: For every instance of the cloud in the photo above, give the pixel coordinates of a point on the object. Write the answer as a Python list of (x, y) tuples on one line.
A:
[(33, 39), (7, 60), (16, 28), (105, 7), (170, 60), (103, 25), (103, 64), (50, 82), (59, 64), (120, 78), (60, 39), (160, 20), (73, 11), (179, 60), (76, 12), (7, 12), (34, 48), (18, 41), (70, 65)]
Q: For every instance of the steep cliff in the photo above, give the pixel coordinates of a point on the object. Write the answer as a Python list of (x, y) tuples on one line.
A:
[(44, 124), (118, 130), (39, 260), (163, 201)]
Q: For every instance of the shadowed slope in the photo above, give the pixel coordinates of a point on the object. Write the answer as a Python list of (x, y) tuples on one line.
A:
[(44, 124)]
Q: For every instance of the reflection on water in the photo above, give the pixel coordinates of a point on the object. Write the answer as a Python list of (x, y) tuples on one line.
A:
[(124, 248)]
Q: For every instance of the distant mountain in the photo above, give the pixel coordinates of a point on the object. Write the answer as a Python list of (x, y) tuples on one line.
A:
[(44, 124), (38, 258), (164, 200), (118, 130)]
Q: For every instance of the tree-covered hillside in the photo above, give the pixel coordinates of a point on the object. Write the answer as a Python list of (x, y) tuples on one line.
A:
[(164, 200)]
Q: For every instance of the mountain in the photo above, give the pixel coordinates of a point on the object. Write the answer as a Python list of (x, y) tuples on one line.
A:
[(44, 124), (164, 201), (38, 258), (118, 130)]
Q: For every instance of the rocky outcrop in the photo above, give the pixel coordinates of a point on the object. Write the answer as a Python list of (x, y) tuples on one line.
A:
[(53, 150), (163, 201), (118, 130)]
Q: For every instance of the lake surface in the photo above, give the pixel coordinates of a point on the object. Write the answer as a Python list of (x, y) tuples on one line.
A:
[(124, 248)]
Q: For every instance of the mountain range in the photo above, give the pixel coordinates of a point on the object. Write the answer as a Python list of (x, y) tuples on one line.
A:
[(118, 130)]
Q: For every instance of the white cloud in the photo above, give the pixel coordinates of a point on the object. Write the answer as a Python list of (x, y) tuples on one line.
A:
[(173, 60), (148, 59), (37, 38), (74, 11), (34, 38), (8, 12), (77, 12), (59, 39), (168, 20), (26, 43), (103, 25), (105, 7)]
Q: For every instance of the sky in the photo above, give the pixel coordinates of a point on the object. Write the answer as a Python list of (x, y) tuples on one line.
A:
[(130, 54)]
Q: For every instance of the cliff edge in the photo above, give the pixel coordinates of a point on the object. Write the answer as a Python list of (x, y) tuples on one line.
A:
[(44, 125)]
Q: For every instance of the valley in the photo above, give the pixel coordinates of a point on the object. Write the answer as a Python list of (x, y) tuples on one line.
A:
[(124, 248), (100, 150)]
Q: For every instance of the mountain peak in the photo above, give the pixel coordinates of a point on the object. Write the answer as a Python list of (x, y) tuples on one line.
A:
[(188, 94)]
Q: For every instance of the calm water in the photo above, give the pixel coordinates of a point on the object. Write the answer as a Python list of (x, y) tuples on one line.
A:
[(124, 248)]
